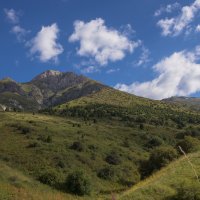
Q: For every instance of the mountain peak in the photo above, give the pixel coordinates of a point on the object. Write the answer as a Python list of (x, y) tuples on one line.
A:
[(48, 73)]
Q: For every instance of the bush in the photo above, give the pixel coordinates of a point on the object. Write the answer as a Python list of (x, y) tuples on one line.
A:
[(77, 183), (107, 173), (47, 139), (49, 178), (129, 175), (78, 146), (113, 158), (33, 145), (187, 192), (189, 144), (25, 130), (159, 157), (61, 164), (162, 156), (154, 141)]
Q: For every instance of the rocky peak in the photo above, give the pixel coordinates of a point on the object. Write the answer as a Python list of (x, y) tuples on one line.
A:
[(47, 74)]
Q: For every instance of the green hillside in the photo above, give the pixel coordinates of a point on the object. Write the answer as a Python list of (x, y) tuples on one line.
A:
[(109, 152), (164, 184), (14, 185), (187, 102), (99, 144)]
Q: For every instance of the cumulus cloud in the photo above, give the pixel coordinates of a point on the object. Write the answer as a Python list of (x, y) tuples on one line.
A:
[(45, 44), (100, 42), (178, 75), (167, 9), (19, 32), (176, 25), (12, 15)]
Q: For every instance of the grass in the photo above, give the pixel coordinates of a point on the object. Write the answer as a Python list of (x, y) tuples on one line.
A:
[(14, 185), (98, 139), (27, 153), (163, 184)]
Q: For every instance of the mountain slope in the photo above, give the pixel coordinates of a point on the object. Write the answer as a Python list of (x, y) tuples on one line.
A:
[(163, 184), (112, 104), (47, 89), (188, 102), (15, 185)]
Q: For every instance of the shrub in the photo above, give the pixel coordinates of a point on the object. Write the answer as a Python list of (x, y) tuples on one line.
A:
[(33, 145), (189, 144), (162, 156), (142, 126), (78, 183), (159, 157), (129, 175), (78, 146), (154, 141), (47, 139), (107, 173), (61, 164), (49, 178), (187, 192), (24, 129), (113, 158)]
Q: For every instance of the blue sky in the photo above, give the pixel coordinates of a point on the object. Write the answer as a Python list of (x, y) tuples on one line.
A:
[(148, 48)]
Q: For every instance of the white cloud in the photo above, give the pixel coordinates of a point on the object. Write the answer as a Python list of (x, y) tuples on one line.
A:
[(178, 75), (112, 70), (100, 42), (90, 69), (12, 15), (19, 32), (197, 28), (176, 25), (45, 45), (167, 9), (144, 57)]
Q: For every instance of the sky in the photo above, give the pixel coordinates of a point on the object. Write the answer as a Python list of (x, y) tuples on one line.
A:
[(149, 48)]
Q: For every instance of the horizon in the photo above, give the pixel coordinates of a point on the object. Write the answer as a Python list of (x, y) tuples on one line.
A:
[(87, 77), (154, 55)]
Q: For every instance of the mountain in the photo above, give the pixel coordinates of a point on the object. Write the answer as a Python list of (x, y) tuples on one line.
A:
[(47, 89), (188, 102), (104, 142)]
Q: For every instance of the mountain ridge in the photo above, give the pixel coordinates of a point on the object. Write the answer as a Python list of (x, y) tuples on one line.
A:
[(52, 88), (49, 88)]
